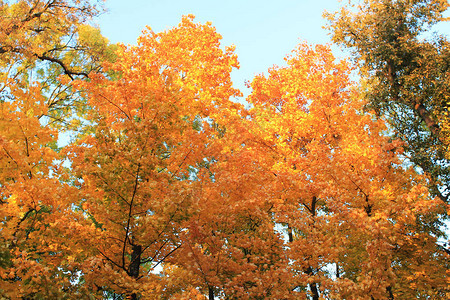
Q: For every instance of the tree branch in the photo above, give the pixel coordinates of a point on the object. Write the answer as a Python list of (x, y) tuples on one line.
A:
[(67, 71)]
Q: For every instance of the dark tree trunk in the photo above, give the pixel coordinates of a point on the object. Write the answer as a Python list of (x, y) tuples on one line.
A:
[(211, 293), (309, 271), (313, 286), (314, 291), (135, 263), (390, 293), (290, 236)]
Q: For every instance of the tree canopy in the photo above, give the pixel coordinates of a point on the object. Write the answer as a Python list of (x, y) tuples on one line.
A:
[(168, 188), (405, 74)]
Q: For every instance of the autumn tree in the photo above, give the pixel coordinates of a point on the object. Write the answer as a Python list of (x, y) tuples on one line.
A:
[(171, 190), (356, 221), (153, 130), (404, 70), (232, 248), (34, 203), (40, 41)]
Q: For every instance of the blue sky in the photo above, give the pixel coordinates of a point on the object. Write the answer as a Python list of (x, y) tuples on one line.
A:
[(264, 32)]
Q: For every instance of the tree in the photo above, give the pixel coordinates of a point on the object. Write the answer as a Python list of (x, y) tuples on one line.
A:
[(404, 75), (232, 248), (40, 42), (35, 204), (171, 190), (43, 40), (353, 216), (153, 129)]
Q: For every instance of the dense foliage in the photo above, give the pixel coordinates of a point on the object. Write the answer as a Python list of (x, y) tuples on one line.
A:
[(405, 69), (170, 189)]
